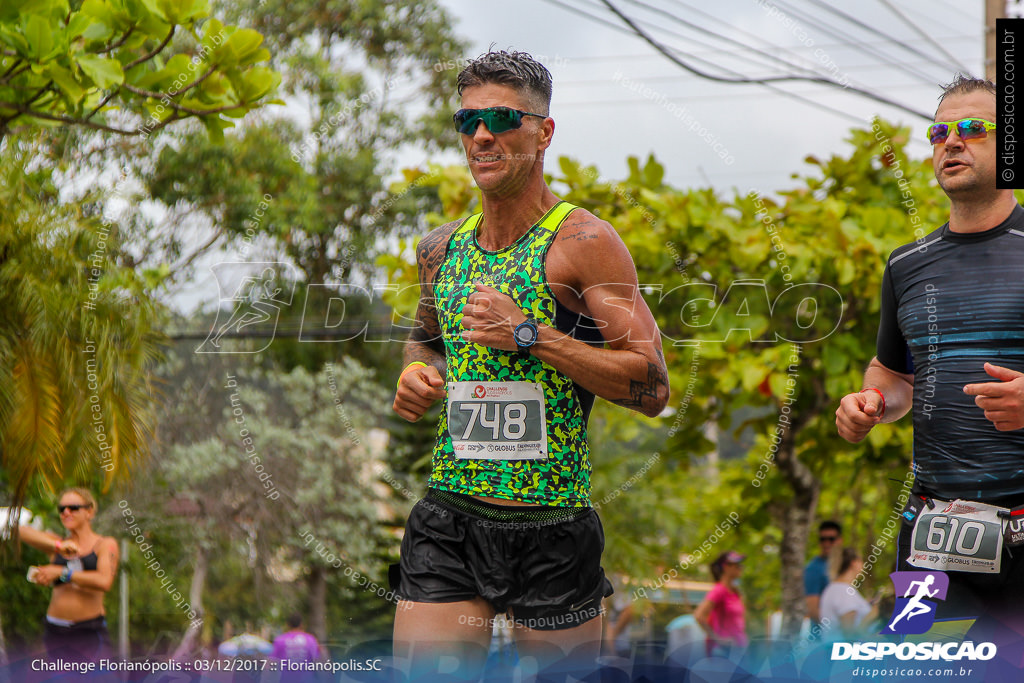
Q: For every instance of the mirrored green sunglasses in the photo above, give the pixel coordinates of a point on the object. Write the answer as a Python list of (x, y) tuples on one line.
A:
[(967, 129), (497, 119)]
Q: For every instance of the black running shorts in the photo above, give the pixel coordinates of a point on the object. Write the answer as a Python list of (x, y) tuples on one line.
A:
[(540, 563), (83, 641)]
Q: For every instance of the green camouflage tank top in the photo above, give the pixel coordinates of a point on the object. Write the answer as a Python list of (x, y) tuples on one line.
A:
[(511, 427)]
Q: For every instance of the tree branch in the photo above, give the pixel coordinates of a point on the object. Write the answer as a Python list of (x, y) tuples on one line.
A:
[(154, 53), (195, 82), (101, 104), (114, 46), (197, 253), (174, 105), (25, 111), (11, 73), (42, 91), (172, 93)]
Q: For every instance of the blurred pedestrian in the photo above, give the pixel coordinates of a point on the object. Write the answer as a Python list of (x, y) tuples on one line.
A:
[(295, 644), (845, 614), (721, 614), (76, 626), (816, 578)]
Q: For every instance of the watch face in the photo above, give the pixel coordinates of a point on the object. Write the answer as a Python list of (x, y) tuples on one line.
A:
[(525, 334)]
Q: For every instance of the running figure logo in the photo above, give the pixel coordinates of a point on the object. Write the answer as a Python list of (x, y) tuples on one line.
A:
[(255, 303), (917, 594)]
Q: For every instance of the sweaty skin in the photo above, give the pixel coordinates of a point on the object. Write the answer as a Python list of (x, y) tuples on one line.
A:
[(603, 286)]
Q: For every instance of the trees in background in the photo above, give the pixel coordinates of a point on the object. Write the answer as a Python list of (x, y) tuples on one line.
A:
[(77, 327), (309, 185), (129, 68), (768, 302), (77, 338), (282, 469)]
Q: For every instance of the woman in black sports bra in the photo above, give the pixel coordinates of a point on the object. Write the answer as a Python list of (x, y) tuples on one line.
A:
[(81, 571)]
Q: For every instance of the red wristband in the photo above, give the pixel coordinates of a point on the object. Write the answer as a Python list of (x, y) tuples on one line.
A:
[(881, 396), (56, 546)]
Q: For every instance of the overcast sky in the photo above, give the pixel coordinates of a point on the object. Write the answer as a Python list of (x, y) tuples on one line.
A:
[(615, 95)]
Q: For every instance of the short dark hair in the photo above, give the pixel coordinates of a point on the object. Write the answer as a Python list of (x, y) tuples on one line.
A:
[(516, 69), (965, 85), (830, 524), (294, 620)]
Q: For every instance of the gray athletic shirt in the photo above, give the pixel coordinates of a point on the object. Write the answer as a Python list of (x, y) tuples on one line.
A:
[(950, 303)]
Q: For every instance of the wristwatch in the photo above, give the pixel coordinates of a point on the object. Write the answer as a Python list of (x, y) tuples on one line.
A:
[(525, 335)]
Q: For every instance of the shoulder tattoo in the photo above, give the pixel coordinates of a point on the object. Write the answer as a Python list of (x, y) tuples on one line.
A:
[(432, 248)]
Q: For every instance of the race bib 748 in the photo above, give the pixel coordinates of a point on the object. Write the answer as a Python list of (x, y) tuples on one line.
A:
[(497, 420)]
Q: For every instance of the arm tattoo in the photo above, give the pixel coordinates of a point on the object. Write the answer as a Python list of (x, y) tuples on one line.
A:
[(578, 229), (638, 391), (426, 343), (432, 249)]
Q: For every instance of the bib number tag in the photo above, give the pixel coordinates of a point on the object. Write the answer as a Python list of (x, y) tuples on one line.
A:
[(497, 420), (958, 536)]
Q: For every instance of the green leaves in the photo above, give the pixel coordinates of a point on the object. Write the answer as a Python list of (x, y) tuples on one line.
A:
[(84, 331), (83, 55), (183, 11), (65, 80), (104, 72), (39, 37), (239, 47)]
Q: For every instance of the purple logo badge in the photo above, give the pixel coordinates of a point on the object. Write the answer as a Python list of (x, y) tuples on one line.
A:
[(917, 596)]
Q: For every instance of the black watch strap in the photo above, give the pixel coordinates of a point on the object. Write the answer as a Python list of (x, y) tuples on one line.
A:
[(525, 335)]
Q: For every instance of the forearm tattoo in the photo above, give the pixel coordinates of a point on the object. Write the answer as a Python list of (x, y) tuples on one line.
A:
[(647, 389)]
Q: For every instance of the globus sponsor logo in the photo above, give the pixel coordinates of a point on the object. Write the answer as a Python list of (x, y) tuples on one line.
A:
[(947, 652)]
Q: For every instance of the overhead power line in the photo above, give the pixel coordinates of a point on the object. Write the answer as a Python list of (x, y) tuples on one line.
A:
[(793, 96), (867, 27), (906, 66), (760, 81), (917, 29), (727, 39), (843, 34), (689, 40)]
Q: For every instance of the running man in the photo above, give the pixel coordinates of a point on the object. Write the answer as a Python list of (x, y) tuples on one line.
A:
[(516, 305), (255, 303), (914, 606), (951, 350)]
